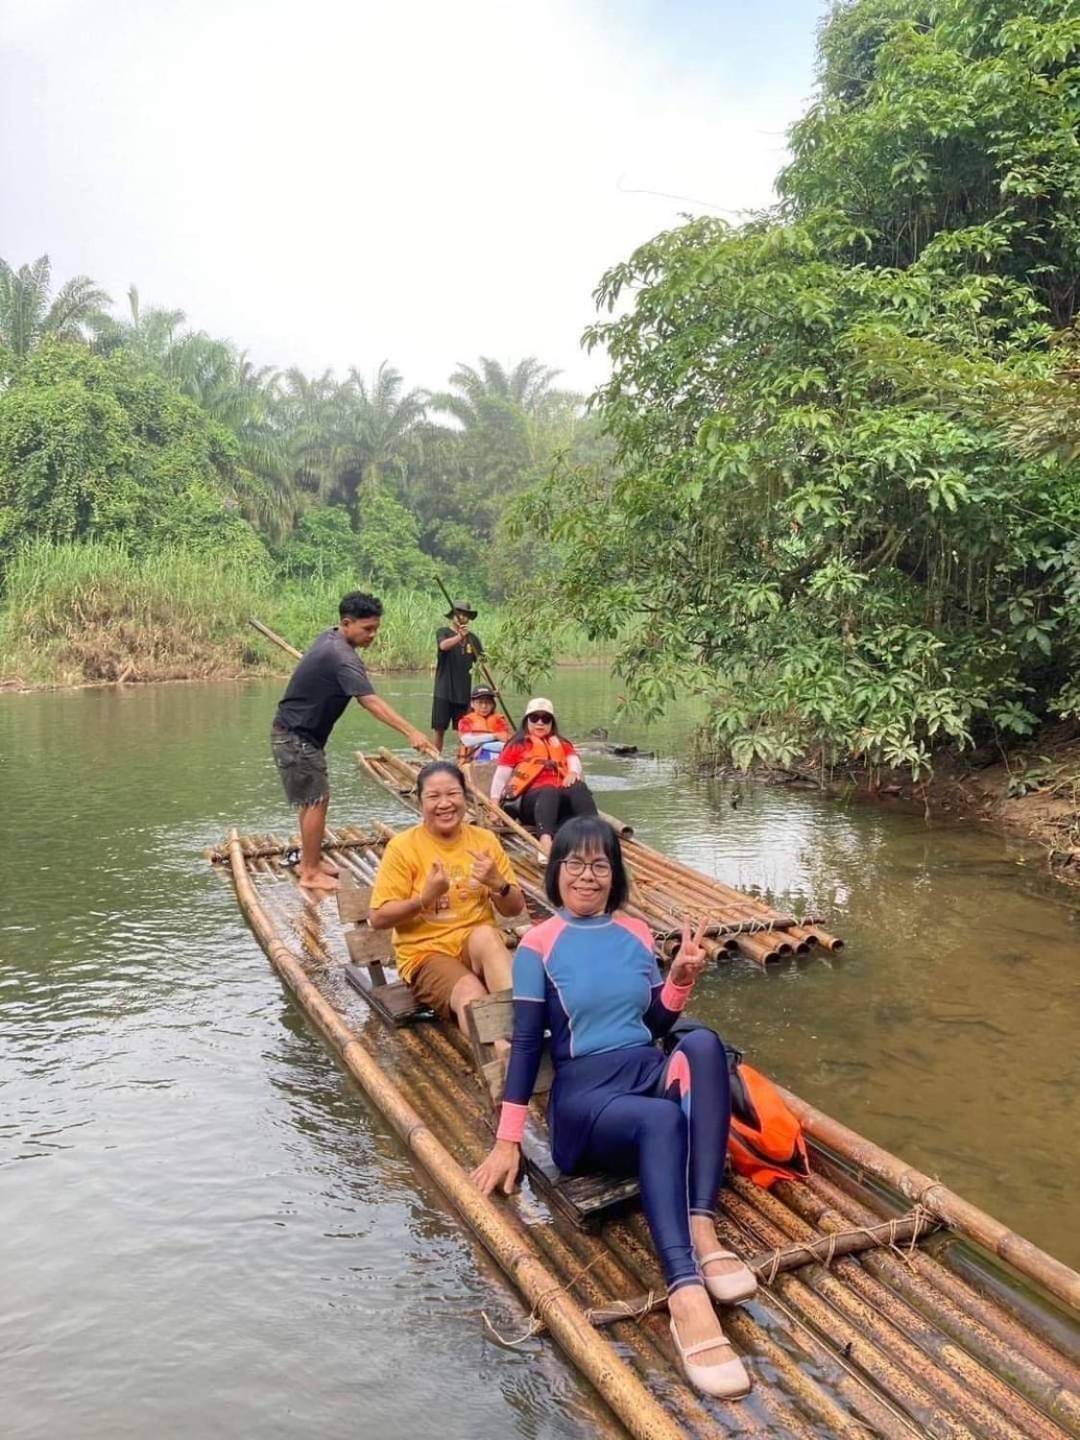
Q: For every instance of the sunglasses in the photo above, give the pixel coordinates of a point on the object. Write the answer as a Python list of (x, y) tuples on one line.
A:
[(540, 718)]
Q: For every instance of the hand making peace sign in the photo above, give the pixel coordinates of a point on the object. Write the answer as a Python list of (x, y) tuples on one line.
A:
[(690, 960)]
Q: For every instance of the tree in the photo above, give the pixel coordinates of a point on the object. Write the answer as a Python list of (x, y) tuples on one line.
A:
[(820, 521), (28, 315), (95, 448)]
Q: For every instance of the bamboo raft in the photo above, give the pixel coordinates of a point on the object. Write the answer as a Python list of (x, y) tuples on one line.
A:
[(663, 889), (889, 1306)]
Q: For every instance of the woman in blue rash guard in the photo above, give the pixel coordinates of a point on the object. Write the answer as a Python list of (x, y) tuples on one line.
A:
[(589, 976)]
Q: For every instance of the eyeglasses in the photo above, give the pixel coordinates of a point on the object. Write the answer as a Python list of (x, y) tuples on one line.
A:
[(575, 866), (540, 719)]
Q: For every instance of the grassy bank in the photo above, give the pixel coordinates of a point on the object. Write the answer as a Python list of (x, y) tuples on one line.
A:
[(85, 614)]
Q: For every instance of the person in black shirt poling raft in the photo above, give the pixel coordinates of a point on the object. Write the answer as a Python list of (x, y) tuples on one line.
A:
[(458, 649), (327, 677)]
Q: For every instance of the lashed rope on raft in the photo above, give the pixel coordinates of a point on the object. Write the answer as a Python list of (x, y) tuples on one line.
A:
[(900, 1234)]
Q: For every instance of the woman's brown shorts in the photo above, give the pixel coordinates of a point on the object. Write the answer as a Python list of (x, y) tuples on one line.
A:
[(433, 983)]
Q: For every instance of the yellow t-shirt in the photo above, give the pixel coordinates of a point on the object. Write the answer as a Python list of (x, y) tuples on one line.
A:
[(406, 864)]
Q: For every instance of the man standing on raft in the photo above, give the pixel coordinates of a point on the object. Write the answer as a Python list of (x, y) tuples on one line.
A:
[(328, 676), (457, 652)]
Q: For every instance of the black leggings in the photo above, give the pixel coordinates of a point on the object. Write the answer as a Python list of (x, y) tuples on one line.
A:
[(546, 806)]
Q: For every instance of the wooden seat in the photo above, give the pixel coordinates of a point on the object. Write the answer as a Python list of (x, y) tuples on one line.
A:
[(370, 952), (583, 1199)]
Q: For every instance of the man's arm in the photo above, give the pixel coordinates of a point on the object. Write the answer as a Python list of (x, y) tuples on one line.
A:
[(387, 715), (452, 641)]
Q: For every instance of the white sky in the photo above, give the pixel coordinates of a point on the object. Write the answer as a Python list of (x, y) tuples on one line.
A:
[(332, 182)]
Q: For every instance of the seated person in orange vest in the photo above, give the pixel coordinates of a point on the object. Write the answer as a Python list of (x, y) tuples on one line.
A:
[(438, 888), (482, 731), (542, 772)]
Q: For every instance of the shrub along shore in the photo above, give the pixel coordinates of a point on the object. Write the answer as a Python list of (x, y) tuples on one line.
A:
[(90, 613)]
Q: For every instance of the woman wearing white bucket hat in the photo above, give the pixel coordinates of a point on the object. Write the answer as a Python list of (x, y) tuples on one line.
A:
[(541, 772)]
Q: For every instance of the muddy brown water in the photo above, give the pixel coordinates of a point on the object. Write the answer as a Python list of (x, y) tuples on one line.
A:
[(207, 1231)]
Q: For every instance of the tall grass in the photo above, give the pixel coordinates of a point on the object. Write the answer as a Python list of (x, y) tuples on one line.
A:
[(78, 613)]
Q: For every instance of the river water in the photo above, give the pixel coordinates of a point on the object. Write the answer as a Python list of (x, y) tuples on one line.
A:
[(207, 1231)]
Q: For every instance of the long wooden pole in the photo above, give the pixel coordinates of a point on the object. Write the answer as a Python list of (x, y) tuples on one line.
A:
[(479, 659), (953, 1209), (275, 637), (624, 1392)]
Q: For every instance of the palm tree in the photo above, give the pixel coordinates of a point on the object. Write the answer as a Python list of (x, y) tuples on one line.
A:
[(511, 420), (389, 421), (367, 434), (28, 316)]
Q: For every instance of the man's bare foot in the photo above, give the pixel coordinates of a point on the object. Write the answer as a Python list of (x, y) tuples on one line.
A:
[(319, 881), (695, 1319), (328, 867)]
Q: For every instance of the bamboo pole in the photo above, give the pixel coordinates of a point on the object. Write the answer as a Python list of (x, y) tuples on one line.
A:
[(1017, 1331), (863, 1339), (623, 1391), (631, 1243), (276, 638), (1003, 1357), (968, 1219), (972, 1388)]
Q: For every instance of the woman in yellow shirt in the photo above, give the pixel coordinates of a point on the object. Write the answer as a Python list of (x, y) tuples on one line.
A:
[(438, 887)]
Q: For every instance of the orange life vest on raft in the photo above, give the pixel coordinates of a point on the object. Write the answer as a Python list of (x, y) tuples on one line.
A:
[(540, 756), (765, 1141)]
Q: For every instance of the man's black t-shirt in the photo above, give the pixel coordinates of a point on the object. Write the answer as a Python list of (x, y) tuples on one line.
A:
[(453, 680), (323, 683)]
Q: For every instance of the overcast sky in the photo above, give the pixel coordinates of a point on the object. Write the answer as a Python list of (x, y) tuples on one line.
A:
[(332, 182)]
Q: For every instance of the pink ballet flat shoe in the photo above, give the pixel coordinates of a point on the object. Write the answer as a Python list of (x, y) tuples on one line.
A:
[(728, 1289), (727, 1381)]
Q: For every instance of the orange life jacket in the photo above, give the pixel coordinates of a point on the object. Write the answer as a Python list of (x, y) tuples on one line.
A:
[(766, 1140), (540, 755), (494, 724)]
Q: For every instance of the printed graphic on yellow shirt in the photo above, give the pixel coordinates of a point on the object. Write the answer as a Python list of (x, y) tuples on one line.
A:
[(406, 864)]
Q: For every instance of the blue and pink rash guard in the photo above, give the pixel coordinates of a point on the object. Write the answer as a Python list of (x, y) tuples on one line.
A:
[(594, 984)]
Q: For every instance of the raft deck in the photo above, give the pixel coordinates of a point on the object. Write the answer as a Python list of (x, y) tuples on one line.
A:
[(874, 1318)]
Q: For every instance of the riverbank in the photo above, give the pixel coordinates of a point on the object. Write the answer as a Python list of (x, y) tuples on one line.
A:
[(92, 614)]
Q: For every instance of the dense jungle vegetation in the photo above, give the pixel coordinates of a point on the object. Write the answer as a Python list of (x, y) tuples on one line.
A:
[(150, 472), (845, 504)]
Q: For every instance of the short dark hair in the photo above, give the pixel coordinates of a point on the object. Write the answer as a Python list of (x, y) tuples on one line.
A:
[(585, 833), (358, 605), (437, 767)]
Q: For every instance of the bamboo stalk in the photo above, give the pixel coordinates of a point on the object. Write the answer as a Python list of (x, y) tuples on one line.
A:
[(972, 1388), (968, 1219), (623, 1391), (901, 1275), (632, 1245), (868, 1340), (275, 637), (1016, 1331)]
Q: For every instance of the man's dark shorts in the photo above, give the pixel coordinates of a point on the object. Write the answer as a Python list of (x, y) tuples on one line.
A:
[(302, 767), (445, 713)]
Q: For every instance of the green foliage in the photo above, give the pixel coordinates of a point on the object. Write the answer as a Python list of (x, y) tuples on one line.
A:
[(29, 314), (323, 543), (823, 520), (95, 447)]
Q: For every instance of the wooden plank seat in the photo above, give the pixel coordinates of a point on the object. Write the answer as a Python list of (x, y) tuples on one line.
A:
[(371, 952), (582, 1199)]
